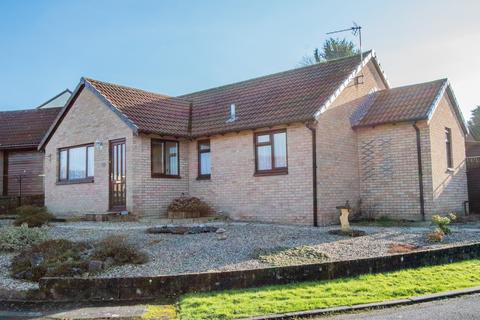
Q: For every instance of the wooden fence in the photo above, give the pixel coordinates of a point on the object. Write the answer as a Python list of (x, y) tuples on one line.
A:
[(473, 177)]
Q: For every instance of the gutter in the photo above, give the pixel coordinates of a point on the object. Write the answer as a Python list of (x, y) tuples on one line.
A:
[(420, 171), (314, 173)]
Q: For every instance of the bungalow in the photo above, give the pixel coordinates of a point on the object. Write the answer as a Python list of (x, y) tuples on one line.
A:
[(21, 131), (287, 147)]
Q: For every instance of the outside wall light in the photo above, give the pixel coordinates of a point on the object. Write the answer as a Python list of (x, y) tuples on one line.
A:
[(99, 144)]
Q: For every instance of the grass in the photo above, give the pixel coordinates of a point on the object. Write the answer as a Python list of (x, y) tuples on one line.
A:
[(323, 294)]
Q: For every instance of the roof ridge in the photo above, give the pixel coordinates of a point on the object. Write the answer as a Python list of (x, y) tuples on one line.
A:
[(30, 110), (316, 65), (415, 84), (89, 80), (126, 87)]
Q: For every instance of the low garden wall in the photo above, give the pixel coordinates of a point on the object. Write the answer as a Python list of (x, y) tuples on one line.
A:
[(168, 287)]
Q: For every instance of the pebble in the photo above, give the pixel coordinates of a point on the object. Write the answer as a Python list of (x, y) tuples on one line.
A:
[(172, 254)]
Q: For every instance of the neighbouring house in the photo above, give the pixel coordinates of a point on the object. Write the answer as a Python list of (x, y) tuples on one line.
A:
[(21, 162), (288, 147)]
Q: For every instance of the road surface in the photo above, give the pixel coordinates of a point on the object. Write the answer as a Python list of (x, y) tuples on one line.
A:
[(461, 308)]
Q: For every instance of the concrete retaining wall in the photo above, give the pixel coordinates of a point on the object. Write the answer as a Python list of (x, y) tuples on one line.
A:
[(167, 287)]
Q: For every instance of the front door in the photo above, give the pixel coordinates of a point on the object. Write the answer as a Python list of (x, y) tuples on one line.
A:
[(118, 185)]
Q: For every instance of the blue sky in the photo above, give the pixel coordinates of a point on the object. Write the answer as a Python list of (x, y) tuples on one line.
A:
[(174, 47)]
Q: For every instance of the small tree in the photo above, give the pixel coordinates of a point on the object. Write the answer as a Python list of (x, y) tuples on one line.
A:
[(332, 48), (474, 123)]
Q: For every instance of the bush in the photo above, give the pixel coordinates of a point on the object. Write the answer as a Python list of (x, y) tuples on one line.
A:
[(64, 258), (18, 238), (436, 235), (118, 251), (190, 205), (32, 216), (49, 259), (443, 222)]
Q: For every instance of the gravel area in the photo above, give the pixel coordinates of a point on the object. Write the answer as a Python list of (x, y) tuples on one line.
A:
[(173, 254)]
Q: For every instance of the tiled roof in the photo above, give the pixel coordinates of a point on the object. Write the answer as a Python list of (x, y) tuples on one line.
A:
[(25, 128), (149, 112), (285, 97), (408, 103)]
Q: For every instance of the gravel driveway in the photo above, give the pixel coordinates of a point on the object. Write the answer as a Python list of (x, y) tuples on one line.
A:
[(172, 254)]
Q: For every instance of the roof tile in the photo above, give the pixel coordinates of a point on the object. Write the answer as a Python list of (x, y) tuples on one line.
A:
[(25, 128), (407, 103)]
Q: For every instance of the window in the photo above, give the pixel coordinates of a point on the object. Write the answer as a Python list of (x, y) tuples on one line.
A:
[(271, 152), (204, 160), (448, 144), (76, 164), (165, 159)]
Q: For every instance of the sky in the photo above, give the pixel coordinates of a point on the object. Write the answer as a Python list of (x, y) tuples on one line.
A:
[(176, 47)]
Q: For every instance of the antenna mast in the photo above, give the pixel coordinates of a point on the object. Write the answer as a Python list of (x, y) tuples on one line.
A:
[(356, 30)]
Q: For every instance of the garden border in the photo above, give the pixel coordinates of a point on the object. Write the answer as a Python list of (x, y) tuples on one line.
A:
[(172, 286)]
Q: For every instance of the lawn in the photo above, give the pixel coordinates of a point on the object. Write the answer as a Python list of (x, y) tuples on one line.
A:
[(323, 294)]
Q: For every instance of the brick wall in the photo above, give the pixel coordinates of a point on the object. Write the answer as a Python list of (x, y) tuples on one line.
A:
[(389, 171), (449, 187), (87, 121), (337, 161), (234, 190), (389, 168), (151, 196)]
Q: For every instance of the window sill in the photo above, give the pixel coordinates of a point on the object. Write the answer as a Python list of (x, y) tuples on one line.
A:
[(164, 176), (78, 181), (206, 177), (270, 173)]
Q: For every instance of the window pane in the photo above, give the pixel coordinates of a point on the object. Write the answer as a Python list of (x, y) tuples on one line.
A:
[(205, 163), (204, 146), (280, 149), (91, 158), (263, 138), (77, 163), (63, 165), (264, 154), (171, 167), (157, 158)]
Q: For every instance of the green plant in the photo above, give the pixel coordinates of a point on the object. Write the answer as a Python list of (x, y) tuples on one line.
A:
[(18, 238), (290, 256), (368, 288), (436, 235), (191, 205), (119, 251), (33, 216), (443, 222), (50, 258)]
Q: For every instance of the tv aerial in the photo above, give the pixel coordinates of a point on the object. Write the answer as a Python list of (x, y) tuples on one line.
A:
[(356, 31)]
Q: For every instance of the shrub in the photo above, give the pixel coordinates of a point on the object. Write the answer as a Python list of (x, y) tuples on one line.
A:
[(33, 216), (119, 251), (443, 222), (49, 259), (18, 238), (190, 205), (436, 235)]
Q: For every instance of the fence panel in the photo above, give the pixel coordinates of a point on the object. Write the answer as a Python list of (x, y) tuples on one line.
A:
[(473, 178)]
